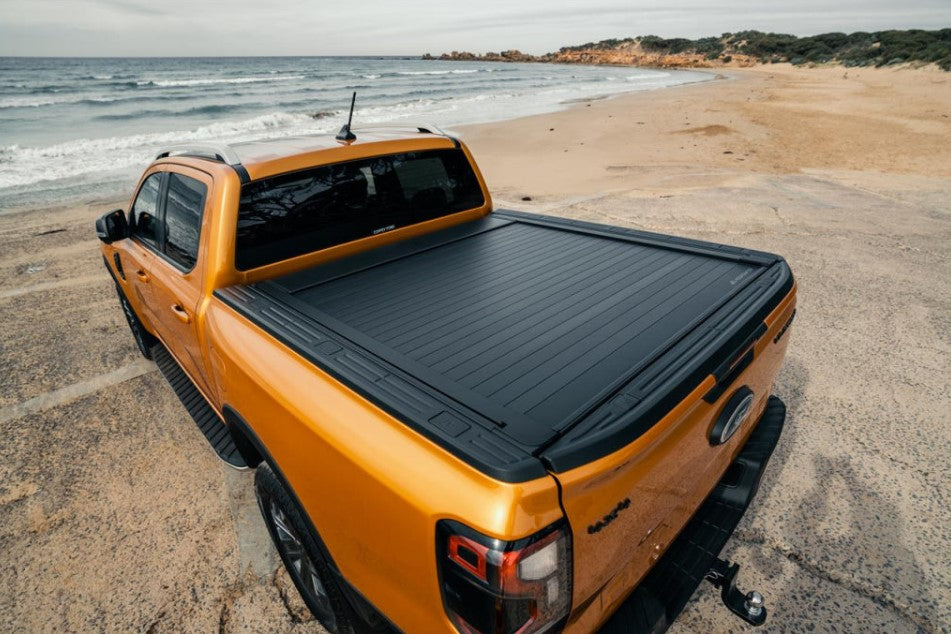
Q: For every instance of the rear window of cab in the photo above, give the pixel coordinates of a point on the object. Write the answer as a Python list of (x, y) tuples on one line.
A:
[(288, 215)]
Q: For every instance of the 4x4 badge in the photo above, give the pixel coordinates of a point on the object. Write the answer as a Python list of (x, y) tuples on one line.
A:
[(610, 517)]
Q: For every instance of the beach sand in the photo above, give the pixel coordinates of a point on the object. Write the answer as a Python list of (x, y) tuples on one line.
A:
[(115, 515)]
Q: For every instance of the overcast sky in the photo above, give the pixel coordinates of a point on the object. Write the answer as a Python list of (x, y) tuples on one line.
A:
[(413, 27)]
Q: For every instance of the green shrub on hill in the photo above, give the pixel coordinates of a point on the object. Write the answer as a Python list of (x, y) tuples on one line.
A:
[(851, 49)]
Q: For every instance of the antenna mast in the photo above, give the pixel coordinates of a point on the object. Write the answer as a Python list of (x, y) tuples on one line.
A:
[(345, 134)]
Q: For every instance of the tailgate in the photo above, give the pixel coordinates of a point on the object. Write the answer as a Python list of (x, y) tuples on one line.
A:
[(634, 472)]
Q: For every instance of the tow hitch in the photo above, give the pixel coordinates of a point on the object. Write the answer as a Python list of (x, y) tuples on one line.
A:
[(749, 606)]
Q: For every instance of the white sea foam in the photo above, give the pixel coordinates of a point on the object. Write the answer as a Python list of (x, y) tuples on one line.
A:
[(27, 101), (174, 83), (653, 75), (26, 165), (402, 91), (457, 71), (37, 102)]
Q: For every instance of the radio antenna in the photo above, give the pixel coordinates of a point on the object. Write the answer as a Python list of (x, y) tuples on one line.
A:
[(345, 134)]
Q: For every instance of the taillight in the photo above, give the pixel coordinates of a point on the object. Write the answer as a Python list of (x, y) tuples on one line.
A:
[(490, 586)]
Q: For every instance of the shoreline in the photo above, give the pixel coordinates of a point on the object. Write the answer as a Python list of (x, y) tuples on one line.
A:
[(747, 83), (96, 137), (774, 118), (83, 199)]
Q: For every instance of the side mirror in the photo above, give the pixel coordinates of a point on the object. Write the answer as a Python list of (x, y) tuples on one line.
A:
[(112, 226)]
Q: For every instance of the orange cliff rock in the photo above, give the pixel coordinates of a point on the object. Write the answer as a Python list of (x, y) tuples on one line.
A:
[(630, 54)]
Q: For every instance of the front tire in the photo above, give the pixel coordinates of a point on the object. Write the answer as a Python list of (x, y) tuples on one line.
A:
[(301, 556)]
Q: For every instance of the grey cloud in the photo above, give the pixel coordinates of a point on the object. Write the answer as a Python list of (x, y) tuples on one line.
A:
[(412, 27)]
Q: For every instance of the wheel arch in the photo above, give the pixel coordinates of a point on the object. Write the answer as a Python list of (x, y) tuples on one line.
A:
[(255, 453)]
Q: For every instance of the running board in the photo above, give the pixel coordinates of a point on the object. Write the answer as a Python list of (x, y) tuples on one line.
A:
[(208, 421)]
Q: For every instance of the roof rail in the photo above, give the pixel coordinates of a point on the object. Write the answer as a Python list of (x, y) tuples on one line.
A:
[(214, 151), (424, 128)]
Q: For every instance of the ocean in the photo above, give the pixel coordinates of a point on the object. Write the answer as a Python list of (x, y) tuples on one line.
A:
[(84, 128)]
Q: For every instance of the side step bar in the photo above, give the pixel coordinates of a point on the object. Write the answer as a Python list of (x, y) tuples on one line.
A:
[(694, 555), (208, 421)]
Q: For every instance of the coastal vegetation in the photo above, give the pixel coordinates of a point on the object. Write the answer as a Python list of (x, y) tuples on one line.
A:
[(744, 48)]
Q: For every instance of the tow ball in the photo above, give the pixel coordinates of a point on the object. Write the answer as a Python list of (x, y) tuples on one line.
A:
[(749, 606)]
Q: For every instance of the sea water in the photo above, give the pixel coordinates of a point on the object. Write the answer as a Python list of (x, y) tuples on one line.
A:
[(84, 128)]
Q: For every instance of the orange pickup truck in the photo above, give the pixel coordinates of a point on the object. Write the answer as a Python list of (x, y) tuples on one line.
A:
[(461, 419)]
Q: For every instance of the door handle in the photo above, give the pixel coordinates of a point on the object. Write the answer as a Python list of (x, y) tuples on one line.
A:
[(182, 315), (142, 275)]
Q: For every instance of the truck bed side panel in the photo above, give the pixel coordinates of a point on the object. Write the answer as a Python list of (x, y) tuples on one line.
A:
[(372, 488)]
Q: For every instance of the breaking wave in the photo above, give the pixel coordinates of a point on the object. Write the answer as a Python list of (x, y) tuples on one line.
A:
[(124, 110), (27, 165), (183, 83)]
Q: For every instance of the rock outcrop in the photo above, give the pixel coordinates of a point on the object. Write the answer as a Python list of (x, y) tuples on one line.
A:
[(626, 54), (746, 48)]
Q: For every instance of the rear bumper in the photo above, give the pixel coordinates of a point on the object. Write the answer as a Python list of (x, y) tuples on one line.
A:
[(665, 590)]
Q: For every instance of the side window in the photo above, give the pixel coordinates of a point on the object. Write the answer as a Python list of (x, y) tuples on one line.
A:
[(183, 207), (424, 181), (145, 209)]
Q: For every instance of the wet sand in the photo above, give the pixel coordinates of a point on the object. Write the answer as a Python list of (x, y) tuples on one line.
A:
[(116, 515)]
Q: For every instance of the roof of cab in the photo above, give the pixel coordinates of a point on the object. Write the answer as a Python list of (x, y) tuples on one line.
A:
[(271, 156)]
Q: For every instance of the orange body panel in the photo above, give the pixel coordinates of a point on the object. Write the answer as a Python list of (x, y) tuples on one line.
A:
[(666, 474), (373, 488)]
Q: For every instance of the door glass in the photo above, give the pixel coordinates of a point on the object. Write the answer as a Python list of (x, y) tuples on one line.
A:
[(144, 210), (186, 199)]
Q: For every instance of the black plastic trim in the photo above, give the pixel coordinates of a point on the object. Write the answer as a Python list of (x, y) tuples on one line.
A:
[(785, 327), (205, 417), (647, 238), (118, 261), (734, 365), (112, 273), (242, 173)]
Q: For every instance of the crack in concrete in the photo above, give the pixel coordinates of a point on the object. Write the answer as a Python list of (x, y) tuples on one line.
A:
[(153, 625), (285, 599), (231, 594), (875, 595), (780, 217), (872, 192), (224, 617), (926, 476)]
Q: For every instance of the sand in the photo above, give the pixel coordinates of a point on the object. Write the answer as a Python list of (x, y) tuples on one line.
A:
[(115, 515)]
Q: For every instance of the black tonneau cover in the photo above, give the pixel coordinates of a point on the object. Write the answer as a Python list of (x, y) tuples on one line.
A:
[(518, 341)]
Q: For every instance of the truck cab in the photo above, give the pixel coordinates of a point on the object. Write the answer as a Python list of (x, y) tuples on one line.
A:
[(461, 418)]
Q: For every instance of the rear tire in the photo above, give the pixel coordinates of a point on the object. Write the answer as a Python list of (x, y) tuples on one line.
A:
[(143, 339), (302, 558)]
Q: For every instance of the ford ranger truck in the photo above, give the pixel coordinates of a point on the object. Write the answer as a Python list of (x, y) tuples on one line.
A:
[(462, 419)]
